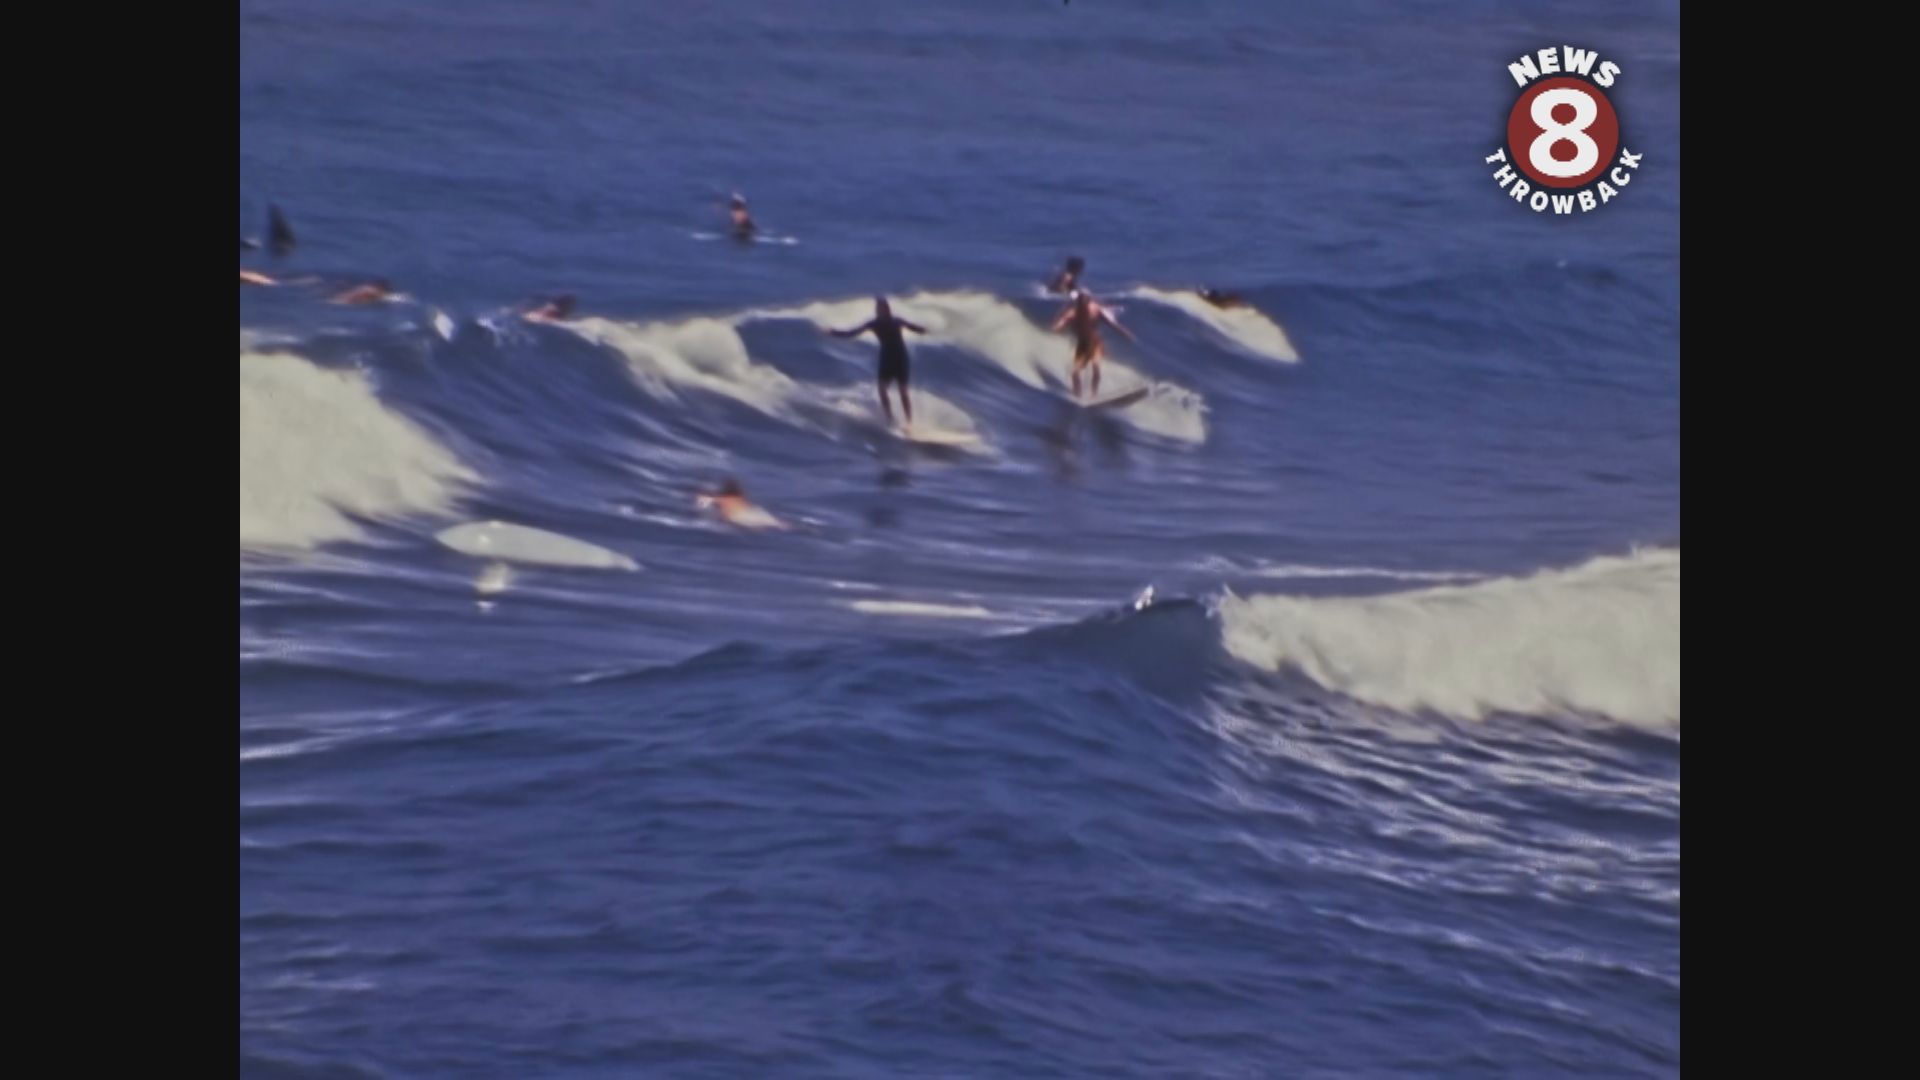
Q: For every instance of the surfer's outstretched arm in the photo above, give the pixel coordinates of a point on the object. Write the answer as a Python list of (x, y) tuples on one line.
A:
[(1108, 316), (915, 327), (1061, 322), (855, 332)]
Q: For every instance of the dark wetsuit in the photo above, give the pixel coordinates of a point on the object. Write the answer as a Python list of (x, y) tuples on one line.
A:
[(893, 346)]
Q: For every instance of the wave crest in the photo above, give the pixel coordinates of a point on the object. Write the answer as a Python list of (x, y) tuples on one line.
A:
[(317, 448), (1600, 639)]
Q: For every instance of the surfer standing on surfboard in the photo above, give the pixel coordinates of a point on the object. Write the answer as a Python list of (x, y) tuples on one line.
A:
[(1085, 316), (893, 352)]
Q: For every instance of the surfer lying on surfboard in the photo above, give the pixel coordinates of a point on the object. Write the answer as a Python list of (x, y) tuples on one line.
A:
[(1085, 316), (377, 291), (730, 502), (893, 352), (550, 310)]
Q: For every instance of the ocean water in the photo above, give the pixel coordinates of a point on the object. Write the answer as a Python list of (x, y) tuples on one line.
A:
[(545, 771)]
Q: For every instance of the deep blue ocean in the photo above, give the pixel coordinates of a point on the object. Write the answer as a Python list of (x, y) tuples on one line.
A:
[(548, 771)]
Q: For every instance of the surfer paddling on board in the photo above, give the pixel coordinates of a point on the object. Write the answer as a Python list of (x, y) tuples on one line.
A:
[(377, 291), (551, 310), (1084, 316), (1222, 300), (1068, 279), (893, 352), (743, 226), (730, 502)]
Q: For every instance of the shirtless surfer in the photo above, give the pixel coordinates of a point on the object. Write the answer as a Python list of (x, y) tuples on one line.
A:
[(377, 291), (1084, 316), (730, 503), (551, 310)]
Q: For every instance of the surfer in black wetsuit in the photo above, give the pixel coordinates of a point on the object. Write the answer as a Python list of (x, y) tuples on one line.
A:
[(279, 234), (279, 242), (1068, 279), (893, 352), (1085, 315)]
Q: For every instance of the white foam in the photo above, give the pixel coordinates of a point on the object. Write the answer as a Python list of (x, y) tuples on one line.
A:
[(1244, 327), (493, 580), (936, 421), (316, 445), (1306, 571), (708, 355), (698, 354), (914, 608), (1600, 639), (998, 331), (504, 542)]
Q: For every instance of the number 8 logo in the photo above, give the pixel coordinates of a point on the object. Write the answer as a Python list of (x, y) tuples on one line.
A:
[(1586, 152), (1563, 133)]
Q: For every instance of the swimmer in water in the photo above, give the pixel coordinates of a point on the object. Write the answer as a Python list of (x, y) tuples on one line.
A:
[(893, 352), (1220, 299), (552, 310), (1068, 279), (377, 291), (743, 226), (1085, 315)]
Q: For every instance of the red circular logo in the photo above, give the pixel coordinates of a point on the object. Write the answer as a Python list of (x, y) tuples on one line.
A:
[(1563, 132)]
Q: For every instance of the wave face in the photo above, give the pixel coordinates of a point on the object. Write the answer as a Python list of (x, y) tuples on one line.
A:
[(1315, 715), (1247, 329)]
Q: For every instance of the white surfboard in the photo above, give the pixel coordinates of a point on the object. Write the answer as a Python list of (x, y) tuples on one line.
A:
[(752, 238), (498, 541), (932, 437), (1113, 401)]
